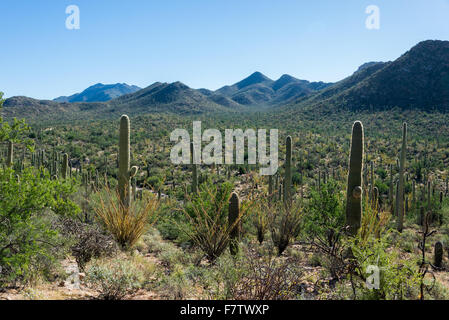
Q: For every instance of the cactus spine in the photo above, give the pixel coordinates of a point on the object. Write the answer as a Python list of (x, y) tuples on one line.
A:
[(288, 172), (354, 188), (233, 221), (125, 173), (401, 209)]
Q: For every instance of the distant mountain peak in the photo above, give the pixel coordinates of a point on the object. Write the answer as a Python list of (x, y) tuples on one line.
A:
[(254, 78), (100, 92), (287, 77), (368, 64)]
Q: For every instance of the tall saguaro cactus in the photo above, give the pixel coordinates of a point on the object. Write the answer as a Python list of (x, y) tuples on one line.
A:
[(194, 170), (390, 195), (288, 172), (401, 209), (125, 173), (10, 156), (438, 255), (65, 165), (354, 188), (233, 216)]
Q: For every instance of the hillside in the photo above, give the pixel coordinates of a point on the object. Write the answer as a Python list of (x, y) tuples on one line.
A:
[(159, 97), (418, 79)]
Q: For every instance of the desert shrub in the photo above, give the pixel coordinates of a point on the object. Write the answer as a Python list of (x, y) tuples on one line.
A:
[(207, 214), (324, 216), (285, 223), (29, 205), (89, 241), (172, 222), (114, 279), (256, 275), (176, 285), (398, 277), (126, 224)]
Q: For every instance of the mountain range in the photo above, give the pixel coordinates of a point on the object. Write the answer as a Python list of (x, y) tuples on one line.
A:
[(417, 79)]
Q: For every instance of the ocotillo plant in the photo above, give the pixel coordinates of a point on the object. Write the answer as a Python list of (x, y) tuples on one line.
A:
[(288, 172), (354, 188), (233, 222), (65, 165), (10, 156), (194, 170), (401, 208), (125, 173)]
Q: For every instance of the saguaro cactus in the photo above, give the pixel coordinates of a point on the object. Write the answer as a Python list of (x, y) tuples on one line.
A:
[(376, 198), (401, 209), (125, 173), (10, 156), (354, 188), (413, 194), (65, 165), (233, 216), (270, 186), (194, 170), (438, 255), (288, 172), (390, 195), (372, 183)]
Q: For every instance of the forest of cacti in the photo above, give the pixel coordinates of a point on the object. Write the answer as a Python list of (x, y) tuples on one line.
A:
[(346, 199)]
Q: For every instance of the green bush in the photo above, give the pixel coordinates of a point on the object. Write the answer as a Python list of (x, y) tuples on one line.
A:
[(325, 215), (30, 203), (115, 279)]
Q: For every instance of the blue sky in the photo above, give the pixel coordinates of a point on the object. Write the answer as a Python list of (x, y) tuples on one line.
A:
[(203, 43)]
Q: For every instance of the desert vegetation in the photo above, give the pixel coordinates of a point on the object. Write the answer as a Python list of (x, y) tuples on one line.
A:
[(96, 210)]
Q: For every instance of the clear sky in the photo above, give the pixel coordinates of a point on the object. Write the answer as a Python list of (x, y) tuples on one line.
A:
[(203, 43)]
